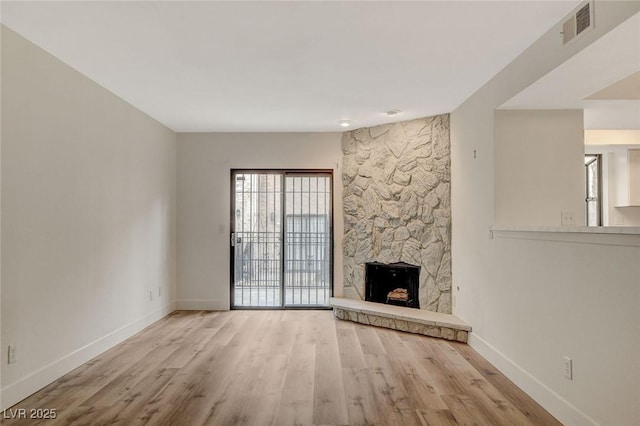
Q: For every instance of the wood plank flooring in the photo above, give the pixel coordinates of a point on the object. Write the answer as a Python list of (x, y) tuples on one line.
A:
[(283, 368)]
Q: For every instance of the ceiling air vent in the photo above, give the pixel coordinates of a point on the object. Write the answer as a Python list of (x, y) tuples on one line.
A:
[(580, 20)]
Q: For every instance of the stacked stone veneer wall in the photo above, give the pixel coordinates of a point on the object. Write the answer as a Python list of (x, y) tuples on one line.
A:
[(397, 204)]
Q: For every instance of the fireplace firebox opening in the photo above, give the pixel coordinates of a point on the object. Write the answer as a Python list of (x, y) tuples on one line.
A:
[(393, 284)]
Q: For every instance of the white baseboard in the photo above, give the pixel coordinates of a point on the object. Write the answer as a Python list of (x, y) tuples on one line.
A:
[(17, 391), (202, 305), (555, 404)]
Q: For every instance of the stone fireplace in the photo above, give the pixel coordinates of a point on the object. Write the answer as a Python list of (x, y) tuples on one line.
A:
[(397, 205)]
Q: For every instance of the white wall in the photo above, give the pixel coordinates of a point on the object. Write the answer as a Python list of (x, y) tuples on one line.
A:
[(204, 164), (88, 221), (568, 295), (532, 299), (539, 166)]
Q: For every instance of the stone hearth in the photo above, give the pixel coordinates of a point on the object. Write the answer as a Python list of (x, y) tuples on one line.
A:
[(418, 321), (397, 204)]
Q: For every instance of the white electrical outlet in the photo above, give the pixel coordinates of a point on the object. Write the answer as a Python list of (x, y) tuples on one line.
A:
[(11, 355), (159, 291), (568, 368), (568, 219), (150, 296)]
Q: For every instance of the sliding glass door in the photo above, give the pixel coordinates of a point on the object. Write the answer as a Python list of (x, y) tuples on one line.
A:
[(281, 239)]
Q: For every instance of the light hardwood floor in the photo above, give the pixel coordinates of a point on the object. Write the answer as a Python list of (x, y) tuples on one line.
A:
[(280, 368)]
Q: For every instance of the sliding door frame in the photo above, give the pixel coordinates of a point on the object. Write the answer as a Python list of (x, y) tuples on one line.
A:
[(283, 203)]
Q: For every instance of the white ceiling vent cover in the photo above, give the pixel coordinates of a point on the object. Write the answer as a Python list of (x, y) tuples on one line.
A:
[(580, 20)]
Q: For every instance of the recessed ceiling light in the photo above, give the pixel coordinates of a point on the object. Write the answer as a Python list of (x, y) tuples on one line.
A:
[(345, 123), (392, 112)]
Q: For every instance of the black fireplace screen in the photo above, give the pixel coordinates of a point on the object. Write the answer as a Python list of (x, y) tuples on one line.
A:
[(394, 283)]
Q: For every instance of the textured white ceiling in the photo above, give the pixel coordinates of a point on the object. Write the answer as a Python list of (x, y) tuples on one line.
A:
[(612, 58), (625, 89), (286, 66), (611, 62)]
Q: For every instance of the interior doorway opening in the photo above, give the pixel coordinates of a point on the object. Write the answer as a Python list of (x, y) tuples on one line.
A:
[(593, 175)]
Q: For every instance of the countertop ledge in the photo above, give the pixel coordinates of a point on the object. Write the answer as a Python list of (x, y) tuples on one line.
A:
[(606, 230)]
